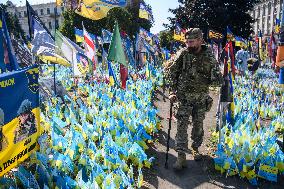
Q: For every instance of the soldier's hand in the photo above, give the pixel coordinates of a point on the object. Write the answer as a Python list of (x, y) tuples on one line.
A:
[(173, 98)]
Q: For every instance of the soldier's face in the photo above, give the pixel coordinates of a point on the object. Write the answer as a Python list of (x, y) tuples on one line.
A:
[(193, 44)]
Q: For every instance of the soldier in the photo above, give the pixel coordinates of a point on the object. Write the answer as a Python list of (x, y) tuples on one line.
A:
[(190, 73), (27, 125)]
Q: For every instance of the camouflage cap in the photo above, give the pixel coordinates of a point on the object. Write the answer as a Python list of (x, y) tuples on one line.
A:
[(193, 33)]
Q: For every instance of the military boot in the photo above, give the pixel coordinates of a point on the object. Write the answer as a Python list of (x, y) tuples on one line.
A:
[(181, 162), (196, 155)]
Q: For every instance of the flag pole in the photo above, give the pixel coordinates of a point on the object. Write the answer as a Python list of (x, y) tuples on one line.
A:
[(54, 66)]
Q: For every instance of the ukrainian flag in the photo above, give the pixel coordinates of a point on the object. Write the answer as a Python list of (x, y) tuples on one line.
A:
[(240, 42), (97, 9), (79, 35), (145, 12), (112, 78)]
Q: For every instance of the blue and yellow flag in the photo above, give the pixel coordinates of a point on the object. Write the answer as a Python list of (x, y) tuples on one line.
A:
[(97, 9), (179, 33), (19, 116), (79, 35), (240, 42), (145, 12), (112, 78), (230, 35), (277, 25)]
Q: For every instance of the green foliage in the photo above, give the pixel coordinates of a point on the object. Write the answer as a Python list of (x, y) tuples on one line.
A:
[(13, 24), (166, 37), (127, 19), (215, 14)]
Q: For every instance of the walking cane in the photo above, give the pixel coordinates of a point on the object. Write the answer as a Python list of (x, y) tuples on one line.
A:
[(169, 132)]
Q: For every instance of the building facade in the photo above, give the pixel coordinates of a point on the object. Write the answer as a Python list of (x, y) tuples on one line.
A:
[(265, 14), (49, 14)]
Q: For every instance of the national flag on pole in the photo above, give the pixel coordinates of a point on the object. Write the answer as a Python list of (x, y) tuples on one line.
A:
[(116, 54), (145, 12), (7, 54), (179, 33), (90, 47), (277, 26), (112, 78), (97, 9), (230, 35)]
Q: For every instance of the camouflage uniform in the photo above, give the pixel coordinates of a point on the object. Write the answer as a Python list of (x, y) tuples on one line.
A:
[(190, 76)]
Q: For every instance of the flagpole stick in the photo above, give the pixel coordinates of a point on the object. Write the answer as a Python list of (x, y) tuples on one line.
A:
[(54, 66)]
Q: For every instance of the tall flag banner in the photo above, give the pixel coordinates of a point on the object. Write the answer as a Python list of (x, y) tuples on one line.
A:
[(272, 48), (11, 62), (96, 9), (277, 26), (73, 53), (116, 54), (43, 45), (106, 36), (179, 33), (215, 36), (90, 47), (230, 35), (145, 12), (32, 15), (260, 50), (19, 116)]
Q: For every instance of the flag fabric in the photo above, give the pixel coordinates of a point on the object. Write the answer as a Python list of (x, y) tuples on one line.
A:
[(145, 12), (230, 35), (79, 37), (10, 60), (90, 47), (215, 36), (272, 46), (106, 36), (179, 33), (97, 9), (240, 42), (260, 50), (277, 26), (43, 45), (116, 51), (20, 116), (116, 54), (112, 78)]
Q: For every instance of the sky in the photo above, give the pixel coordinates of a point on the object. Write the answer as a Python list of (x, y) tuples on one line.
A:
[(160, 10)]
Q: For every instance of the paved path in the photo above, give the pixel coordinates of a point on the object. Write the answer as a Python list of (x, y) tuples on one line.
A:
[(199, 175)]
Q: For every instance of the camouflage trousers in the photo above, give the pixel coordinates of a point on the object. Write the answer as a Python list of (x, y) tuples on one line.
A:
[(194, 107)]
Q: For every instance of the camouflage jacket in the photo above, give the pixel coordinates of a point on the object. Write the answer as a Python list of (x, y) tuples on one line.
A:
[(192, 74)]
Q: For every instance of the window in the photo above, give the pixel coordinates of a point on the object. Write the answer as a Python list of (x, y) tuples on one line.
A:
[(55, 10), (41, 11), (269, 8), (62, 9), (36, 12), (25, 13), (20, 15), (48, 10), (50, 26)]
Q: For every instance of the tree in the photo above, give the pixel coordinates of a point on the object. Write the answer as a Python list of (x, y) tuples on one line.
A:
[(166, 37), (13, 24), (215, 14), (127, 18)]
